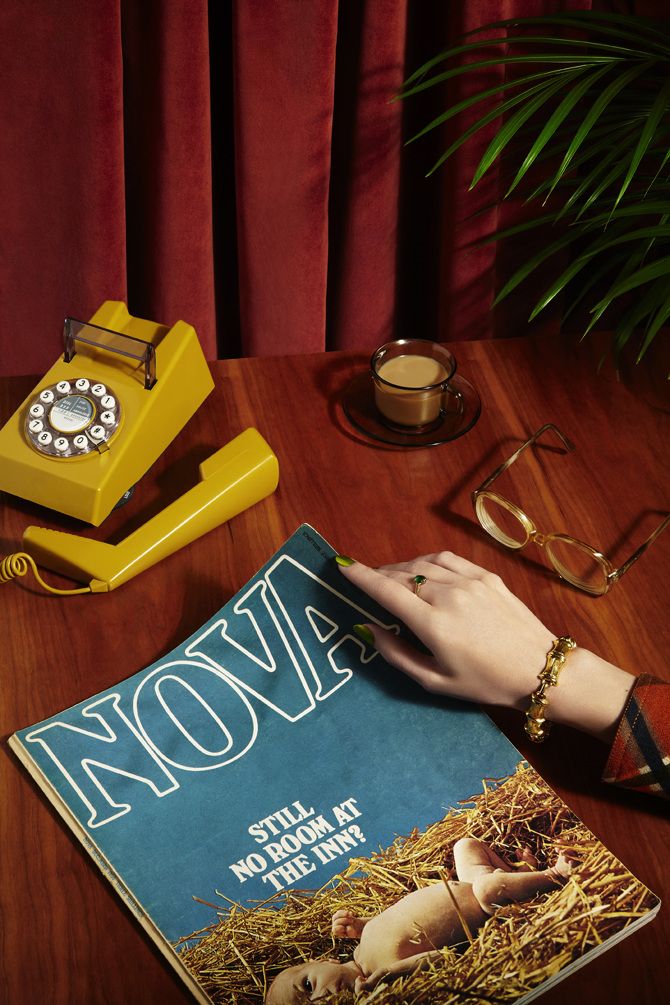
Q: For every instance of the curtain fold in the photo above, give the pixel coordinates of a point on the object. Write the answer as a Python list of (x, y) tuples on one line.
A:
[(167, 164), (284, 74), (241, 166), (63, 224), (365, 182)]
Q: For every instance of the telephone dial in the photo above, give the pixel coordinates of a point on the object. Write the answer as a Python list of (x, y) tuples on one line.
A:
[(95, 423)]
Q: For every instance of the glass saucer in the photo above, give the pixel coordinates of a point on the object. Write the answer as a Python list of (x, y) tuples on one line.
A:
[(358, 404)]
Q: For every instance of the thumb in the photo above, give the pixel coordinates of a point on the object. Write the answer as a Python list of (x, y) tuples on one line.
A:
[(398, 652)]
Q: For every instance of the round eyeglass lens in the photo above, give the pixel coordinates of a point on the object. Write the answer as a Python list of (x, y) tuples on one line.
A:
[(501, 523), (577, 564)]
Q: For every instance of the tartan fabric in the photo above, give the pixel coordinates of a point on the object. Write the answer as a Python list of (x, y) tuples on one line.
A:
[(640, 755)]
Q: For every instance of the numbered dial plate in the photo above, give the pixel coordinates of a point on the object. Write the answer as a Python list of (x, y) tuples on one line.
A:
[(72, 418)]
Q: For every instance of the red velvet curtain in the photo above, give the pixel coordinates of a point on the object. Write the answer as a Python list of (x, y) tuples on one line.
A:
[(238, 165)]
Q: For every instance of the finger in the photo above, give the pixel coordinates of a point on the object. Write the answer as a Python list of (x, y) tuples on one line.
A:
[(441, 566), (432, 585), (449, 561), (445, 560), (432, 573), (388, 593), (421, 667)]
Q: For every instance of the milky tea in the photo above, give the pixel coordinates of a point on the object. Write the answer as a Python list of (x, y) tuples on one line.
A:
[(410, 380)]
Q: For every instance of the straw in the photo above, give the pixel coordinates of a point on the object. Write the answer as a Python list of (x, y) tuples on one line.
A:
[(517, 949)]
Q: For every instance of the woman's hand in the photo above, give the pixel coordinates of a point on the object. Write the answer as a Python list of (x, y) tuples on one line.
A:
[(484, 644)]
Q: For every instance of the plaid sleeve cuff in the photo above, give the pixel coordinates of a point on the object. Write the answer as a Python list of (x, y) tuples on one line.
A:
[(640, 755)]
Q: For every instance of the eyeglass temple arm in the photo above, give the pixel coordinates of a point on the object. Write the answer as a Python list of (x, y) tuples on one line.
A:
[(517, 453), (618, 573)]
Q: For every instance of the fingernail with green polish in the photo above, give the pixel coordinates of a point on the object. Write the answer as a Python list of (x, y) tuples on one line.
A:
[(365, 634), (344, 560)]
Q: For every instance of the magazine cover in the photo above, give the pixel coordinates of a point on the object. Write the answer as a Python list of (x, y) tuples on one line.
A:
[(292, 820)]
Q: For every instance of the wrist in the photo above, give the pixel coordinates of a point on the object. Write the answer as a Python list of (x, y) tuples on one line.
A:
[(536, 726), (591, 695)]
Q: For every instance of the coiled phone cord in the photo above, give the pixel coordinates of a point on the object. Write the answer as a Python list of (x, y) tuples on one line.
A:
[(13, 566)]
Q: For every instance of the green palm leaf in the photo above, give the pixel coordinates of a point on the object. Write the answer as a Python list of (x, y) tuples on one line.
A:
[(602, 150), (647, 306), (603, 154), (573, 97), (659, 319), (487, 64), (595, 112), (538, 90), (545, 76), (578, 293), (614, 172), (601, 245), (588, 118), (647, 32), (655, 270), (605, 52), (660, 107), (511, 128)]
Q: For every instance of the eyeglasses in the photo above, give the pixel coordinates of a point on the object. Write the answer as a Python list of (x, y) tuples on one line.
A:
[(574, 561)]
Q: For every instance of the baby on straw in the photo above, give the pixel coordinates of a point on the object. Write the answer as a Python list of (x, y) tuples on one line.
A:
[(409, 935)]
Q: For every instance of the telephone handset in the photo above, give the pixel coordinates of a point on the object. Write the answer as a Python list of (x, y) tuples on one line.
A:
[(92, 427), (234, 478)]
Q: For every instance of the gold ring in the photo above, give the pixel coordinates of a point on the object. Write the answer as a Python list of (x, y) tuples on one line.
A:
[(418, 583)]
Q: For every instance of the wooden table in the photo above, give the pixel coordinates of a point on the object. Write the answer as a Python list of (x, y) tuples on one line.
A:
[(66, 938)]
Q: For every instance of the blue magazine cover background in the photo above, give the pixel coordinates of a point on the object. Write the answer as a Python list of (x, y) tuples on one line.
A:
[(264, 752)]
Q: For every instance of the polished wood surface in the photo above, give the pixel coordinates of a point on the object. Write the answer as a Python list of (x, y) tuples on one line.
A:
[(66, 937)]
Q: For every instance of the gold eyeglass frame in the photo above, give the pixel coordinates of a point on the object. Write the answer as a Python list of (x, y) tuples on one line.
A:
[(610, 574)]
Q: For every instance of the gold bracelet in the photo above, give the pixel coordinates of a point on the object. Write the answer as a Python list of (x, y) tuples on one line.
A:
[(535, 721)]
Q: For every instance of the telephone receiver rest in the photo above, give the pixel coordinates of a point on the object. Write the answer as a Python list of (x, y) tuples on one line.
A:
[(236, 477)]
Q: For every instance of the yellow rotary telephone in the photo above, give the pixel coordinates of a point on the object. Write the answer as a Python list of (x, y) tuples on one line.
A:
[(93, 426)]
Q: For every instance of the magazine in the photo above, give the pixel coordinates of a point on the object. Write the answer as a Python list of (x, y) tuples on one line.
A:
[(291, 819)]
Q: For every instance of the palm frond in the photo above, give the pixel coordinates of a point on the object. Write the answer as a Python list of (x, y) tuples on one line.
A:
[(645, 31), (511, 127), (497, 112), (633, 319), (558, 116), (602, 245), (624, 80), (659, 108), (660, 269), (583, 103)]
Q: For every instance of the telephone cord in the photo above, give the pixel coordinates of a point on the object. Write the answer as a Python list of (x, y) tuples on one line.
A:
[(13, 566)]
